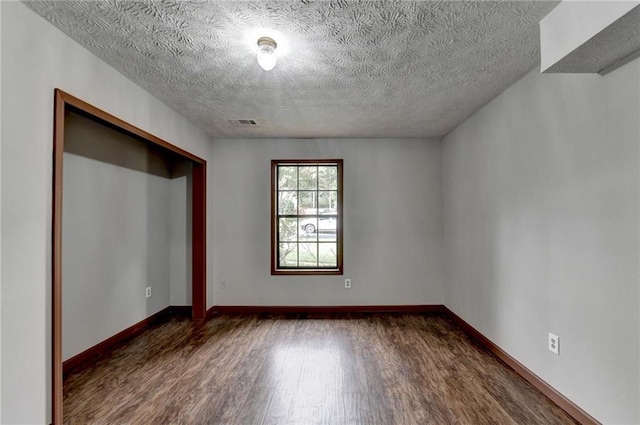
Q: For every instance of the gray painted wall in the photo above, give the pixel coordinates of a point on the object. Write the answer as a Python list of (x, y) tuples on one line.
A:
[(392, 223), (124, 228), (541, 232), (180, 242), (1, 244), (116, 240), (36, 58)]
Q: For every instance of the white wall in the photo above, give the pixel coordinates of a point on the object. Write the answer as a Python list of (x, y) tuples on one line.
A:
[(36, 58), (392, 223), (116, 241), (541, 232)]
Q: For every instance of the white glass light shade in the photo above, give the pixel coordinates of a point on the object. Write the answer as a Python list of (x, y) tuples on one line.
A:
[(267, 56)]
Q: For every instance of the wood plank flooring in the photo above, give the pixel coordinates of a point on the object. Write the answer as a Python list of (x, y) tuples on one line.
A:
[(368, 369)]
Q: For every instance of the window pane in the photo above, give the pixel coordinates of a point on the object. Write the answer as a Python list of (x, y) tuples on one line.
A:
[(309, 226), (327, 202), (328, 228), (287, 177), (326, 225), (307, 203), (328, 177), (288, 229), (288, 255), (308, 229), (308, 178), (308, 254), (287, 202), (328, 255)]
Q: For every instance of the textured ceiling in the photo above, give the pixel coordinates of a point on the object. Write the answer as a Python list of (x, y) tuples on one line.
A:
[(354, 68)]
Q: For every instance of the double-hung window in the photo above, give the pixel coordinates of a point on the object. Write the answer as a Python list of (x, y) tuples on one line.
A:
[(306, 216)]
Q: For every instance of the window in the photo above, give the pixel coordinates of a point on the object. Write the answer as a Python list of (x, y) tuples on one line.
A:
[(306, 216)]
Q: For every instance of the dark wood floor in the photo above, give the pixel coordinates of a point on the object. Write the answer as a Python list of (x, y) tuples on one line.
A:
[(382, 369)]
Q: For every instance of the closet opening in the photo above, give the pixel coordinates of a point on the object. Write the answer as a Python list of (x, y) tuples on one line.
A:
[(138, 203)]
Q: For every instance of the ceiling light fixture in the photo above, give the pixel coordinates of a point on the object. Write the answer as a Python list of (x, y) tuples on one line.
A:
[(267, 56)]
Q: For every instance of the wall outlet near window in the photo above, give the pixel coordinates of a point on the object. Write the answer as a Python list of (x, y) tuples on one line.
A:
[(147, 292), (554, 344), (347, 283), (223, 284)]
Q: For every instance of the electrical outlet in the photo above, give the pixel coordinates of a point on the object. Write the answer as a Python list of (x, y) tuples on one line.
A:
[(148, 292), (554, 344), (223, 284), (347, 283)]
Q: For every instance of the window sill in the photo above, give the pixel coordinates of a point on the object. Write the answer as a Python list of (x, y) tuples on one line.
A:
[(306, 272)]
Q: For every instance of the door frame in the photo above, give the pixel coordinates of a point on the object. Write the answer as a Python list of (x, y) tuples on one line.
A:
[(65, 102)]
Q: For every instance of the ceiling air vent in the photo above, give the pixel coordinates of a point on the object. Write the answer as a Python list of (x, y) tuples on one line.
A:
[(243, 123)]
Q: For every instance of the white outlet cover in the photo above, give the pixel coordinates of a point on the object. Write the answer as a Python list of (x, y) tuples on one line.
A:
[(554, 344), (347, 283)]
